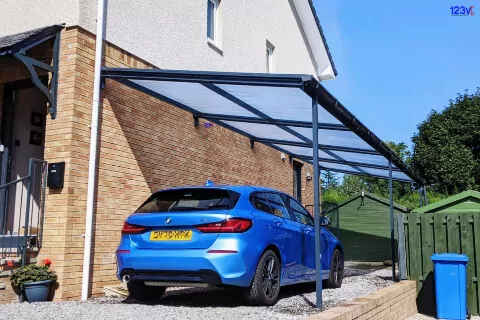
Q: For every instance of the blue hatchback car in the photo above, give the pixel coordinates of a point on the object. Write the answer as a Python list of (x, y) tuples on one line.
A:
[(253, 238)]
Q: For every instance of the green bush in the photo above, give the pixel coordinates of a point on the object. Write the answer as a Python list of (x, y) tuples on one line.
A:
[(31, 273)]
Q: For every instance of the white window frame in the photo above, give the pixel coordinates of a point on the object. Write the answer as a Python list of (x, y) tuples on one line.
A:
[(216, 26), (270, 59)]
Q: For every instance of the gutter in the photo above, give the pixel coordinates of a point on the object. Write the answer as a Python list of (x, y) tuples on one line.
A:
[(93, 150), (336, 108)]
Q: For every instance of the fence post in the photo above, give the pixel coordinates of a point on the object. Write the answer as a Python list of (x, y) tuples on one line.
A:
[(402, 262), (27, 212)]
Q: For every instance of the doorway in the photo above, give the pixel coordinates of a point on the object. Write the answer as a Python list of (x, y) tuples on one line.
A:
[(22, 138)]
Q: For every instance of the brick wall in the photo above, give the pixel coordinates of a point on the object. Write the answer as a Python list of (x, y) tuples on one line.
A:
[(395, 302), (145, 145), (7, 295)]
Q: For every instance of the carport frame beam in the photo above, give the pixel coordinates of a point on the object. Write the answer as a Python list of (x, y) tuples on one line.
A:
[(392, 221), (316, 205)]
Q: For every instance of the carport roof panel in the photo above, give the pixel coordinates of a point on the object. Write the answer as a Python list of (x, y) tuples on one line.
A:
[(276, 110)]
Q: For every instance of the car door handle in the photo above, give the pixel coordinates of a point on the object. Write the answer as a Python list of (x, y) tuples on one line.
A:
[(307, 230), (277, 222)]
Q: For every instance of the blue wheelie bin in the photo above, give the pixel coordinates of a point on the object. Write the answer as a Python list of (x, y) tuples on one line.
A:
[(450, 285)]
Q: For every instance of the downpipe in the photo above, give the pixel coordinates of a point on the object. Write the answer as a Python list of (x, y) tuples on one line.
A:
[(93, 150)]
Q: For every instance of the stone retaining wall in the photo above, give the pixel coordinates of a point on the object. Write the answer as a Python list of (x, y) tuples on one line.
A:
[(397, 301)]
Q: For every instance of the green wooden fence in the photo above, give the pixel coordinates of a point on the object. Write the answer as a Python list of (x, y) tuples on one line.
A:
[(430, 233)]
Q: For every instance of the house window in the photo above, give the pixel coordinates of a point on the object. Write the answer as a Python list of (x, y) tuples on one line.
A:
[(297, 180), (212, 19), (269, 57)]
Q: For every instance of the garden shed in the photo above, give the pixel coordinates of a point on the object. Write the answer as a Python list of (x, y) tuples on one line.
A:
[(364, 227), (467, 201)]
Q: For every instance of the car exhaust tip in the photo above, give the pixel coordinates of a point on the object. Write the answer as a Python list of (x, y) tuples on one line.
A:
[(126, 278)]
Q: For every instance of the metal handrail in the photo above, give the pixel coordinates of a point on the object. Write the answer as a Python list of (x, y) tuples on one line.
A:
[(28, 216), (13, 182)]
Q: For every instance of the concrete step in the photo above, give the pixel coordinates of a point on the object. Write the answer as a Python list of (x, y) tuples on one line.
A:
[(116, 290)]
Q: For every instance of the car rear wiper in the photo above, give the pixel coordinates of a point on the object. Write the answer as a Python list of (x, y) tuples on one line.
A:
[(218, 206), (184, 209), (198, 208)]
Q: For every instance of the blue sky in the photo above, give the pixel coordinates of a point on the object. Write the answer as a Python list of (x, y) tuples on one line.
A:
[(398, 60)]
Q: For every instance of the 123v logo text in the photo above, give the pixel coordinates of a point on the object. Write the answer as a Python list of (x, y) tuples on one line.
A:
[(462, 11)]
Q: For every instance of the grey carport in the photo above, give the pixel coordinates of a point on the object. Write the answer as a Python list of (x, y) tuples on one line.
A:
[(277, 110)]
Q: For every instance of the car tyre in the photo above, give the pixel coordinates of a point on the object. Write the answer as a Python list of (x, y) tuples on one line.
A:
[(141, 292), (336, 270), (265, 286)]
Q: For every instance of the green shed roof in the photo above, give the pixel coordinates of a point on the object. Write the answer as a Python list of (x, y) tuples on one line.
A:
[(466, 201), (375, 198)]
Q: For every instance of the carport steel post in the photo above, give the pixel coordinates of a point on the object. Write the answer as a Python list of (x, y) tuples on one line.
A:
[(316, 203), (392, 223)]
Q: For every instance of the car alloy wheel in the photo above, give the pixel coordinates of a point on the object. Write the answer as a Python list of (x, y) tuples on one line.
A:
[(336, 270), (271, 275), (265, 287)]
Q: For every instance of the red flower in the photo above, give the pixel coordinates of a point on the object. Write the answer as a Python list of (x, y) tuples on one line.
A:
[(47, 262)]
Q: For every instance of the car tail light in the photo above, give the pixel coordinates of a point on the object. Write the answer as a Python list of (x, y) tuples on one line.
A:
[(132, 229), (233, 225)]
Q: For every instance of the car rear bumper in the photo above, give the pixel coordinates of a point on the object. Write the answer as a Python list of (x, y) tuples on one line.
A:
[(199, 276), (195, 266)]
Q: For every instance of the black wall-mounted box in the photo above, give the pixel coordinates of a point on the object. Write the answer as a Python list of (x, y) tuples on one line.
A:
[(56, 172)]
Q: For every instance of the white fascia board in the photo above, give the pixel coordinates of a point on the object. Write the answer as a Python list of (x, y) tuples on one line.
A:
[(325, 67)]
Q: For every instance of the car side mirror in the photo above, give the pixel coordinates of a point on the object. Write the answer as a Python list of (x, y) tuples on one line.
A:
[(325, 222)]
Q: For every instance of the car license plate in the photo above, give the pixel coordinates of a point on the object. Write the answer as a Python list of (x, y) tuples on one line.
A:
[(174, 235)]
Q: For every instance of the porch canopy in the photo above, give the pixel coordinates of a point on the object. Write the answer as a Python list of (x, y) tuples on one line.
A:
[(276, 110), (17, 45)]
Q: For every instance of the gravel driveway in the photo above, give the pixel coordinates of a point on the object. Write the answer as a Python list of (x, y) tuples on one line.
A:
[(297, 302)]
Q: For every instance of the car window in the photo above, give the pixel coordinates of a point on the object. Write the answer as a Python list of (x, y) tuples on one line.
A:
[(189, 199), (260, 202), (297, 206), (300, 214), (278, 206)]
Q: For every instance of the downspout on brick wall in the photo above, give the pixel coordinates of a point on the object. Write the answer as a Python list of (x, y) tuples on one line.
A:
[(93, 150)]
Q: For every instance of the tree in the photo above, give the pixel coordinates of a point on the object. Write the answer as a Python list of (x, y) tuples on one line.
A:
[(329, 180), (446, 149), (399, 189), (352, 185)]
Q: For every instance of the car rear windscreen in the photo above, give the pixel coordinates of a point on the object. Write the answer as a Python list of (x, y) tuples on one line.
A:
[(189, 200)]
